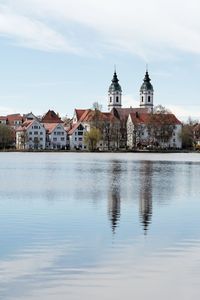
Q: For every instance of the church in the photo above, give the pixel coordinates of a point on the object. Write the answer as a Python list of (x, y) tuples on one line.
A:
[(144, 127), (127, 127)]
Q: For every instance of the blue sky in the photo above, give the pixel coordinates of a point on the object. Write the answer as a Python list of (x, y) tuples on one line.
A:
[(61, 54)]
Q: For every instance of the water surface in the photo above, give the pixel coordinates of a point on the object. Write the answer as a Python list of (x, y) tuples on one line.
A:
[(99, 226)]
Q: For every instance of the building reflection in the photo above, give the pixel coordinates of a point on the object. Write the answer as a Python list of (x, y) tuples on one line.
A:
[(114, 201), (145, 194)]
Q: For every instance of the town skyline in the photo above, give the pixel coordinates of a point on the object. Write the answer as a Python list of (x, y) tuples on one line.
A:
[(61, 55)]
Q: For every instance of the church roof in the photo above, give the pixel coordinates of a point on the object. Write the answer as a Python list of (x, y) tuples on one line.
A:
[(115, 86), (146, 86), (156, 119), (123, 113), (51, 117)]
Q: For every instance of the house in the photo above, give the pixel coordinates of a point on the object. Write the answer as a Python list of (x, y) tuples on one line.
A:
[(56, 136), (31, 135), (51, 117), (84, 120), (14, 120), (3, 120), (147, 129)]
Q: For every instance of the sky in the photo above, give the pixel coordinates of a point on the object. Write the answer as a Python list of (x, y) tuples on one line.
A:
[(61, 54)]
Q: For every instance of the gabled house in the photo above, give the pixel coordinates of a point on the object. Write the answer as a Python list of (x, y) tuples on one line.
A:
[(30, 135), (153, 130), (56, 136)]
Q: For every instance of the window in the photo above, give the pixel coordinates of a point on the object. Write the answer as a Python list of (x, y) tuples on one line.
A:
[(174, 140), (58, 133), (55, 139), (41, 139), (110, 99), (35, 132), (117, 99), (142, 99), (75, 133), (30, 132), (35, 127), (149, 99), (62, 139), (75, 139), (80, 133), (41, 133), (30, 139), (80, 139), (54, 133)]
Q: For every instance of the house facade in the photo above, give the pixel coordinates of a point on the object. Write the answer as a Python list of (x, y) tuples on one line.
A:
[(31, 135), (153, 130)]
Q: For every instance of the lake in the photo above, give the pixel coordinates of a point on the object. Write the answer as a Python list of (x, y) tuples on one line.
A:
[(99, 226)]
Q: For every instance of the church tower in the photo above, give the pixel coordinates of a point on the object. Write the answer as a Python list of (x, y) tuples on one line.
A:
[(114, 94), (146, 93)]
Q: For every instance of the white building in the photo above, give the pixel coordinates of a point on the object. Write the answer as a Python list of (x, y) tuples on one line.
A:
[(76, 137), (160, 130), (56, 136), (31, 135)]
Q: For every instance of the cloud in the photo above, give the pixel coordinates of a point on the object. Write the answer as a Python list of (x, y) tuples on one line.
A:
[(150, 29)]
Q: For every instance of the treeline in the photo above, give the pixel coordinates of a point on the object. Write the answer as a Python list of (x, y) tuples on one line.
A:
[(7, 137)]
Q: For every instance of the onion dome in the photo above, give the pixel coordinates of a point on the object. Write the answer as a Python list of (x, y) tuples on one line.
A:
[(146, 86), (115, 86)]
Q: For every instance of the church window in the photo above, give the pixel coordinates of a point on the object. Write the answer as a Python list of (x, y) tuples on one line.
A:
[(117, 99), (142, 98), (110, 99), (149, 99)]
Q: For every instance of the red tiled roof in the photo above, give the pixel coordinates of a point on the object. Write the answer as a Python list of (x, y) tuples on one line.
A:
[(79, 113), (25, 125), (14, 117), (51, 117), (123, 113), (145, 118), (51, 126), (3, 118)]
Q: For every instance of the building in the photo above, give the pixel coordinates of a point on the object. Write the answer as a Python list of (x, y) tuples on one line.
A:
[(56, 136), (30, 135), (135, 129), (153, 130)]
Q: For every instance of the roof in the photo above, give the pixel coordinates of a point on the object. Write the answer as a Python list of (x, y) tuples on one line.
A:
[(146, 86), (79, 113), (158, 119), (3, 118), (25, 125), (51, 126), (115, 86), (51, 117), (14, 117), (123, 113)]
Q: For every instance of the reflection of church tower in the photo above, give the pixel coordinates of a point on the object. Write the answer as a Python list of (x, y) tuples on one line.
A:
[(114, 202), (114, 93), (146, 194), (146, 93)]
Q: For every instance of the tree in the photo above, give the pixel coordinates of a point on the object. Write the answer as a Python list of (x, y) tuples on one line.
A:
[(159, 109), (160, 129), (92, 137), (6, 136), (187, 135)]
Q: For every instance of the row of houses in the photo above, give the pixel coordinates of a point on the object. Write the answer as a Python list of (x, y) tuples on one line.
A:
[(120, 127)]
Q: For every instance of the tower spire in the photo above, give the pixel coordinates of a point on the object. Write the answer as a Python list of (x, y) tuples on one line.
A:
[(146, 92), (114, 92)]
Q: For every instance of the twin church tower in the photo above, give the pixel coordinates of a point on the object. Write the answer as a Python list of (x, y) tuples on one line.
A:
[(115, 93)]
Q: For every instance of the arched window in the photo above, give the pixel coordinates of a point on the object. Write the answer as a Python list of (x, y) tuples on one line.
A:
[(117, 99), (149, 99), (142, 99), (110, 99)]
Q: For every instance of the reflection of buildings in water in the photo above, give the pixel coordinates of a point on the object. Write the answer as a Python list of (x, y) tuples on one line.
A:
[(114, 201), (146, 194)]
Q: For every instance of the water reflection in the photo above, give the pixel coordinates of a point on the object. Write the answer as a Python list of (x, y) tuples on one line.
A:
[(114, 201), (145, 201)]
